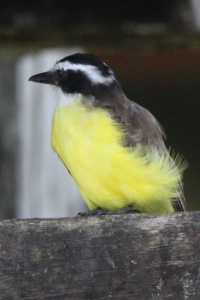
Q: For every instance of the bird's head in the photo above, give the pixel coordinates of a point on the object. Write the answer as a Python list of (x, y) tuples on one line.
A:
[(80, 74)]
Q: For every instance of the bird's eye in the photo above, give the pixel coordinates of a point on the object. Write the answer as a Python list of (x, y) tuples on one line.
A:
[(60, 72)]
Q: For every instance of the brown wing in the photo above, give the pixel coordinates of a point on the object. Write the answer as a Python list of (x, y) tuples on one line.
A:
[(141, 128)]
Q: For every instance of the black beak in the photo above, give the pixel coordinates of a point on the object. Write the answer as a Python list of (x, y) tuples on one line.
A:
[(46, 77)]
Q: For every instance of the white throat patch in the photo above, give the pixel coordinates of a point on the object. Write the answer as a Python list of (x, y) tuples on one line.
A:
[(91, 72), (67, 98)]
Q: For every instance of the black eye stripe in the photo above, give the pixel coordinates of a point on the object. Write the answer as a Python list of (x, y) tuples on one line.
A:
[(60, 72)]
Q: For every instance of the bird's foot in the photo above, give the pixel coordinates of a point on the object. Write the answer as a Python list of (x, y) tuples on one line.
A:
[(94, 212), (127, 210), (101, 212)]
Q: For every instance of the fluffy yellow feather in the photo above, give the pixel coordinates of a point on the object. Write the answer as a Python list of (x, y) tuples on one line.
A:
[(109, 175)]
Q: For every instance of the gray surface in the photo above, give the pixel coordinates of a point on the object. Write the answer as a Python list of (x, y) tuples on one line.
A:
[(110, 257)]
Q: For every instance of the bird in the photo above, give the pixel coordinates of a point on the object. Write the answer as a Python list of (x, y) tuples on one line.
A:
[(112, 147)]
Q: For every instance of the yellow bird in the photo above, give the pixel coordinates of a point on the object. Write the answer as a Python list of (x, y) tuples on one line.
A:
[(112, 147)]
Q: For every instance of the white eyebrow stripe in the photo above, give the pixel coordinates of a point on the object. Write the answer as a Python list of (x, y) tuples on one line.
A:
[(91, 72)]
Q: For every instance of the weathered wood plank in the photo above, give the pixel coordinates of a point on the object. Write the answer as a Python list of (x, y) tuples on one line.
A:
[(107, 257)]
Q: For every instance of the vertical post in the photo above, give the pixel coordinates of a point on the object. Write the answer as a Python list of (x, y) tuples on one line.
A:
[(45, 187)]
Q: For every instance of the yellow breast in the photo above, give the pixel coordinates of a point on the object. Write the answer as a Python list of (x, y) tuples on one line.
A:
[(110, 176)]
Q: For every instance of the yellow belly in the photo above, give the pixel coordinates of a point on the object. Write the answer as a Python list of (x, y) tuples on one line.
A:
[(109, 175)]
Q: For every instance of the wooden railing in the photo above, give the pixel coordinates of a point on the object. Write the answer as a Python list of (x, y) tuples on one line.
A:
[(108, 257)]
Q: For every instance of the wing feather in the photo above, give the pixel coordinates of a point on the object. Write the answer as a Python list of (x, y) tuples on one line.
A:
[(141, 127)]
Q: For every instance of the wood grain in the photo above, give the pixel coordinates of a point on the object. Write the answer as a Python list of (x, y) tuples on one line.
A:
[(108, 257)]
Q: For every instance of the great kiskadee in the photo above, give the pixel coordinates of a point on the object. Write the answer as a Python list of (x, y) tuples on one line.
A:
[(112, 147)]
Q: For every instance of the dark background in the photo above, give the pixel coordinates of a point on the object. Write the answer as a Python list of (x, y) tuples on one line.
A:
[(69, 12), (152, 45)]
